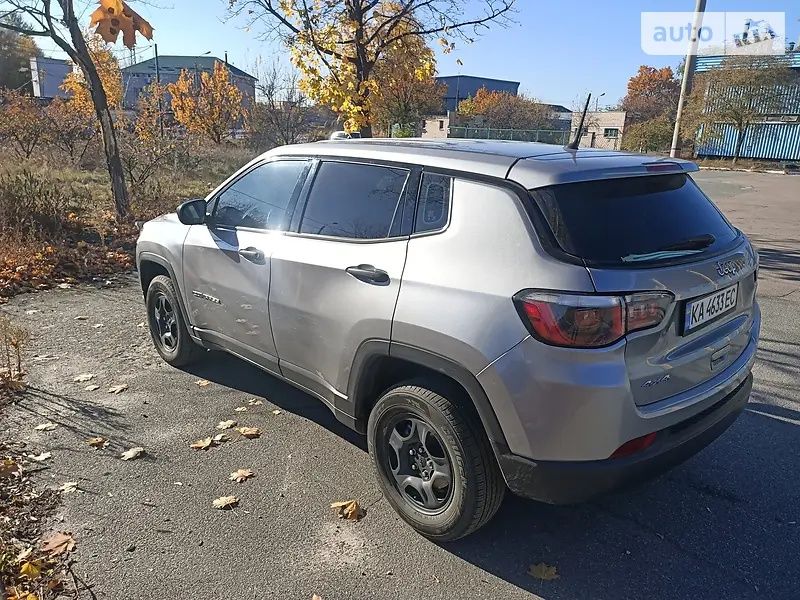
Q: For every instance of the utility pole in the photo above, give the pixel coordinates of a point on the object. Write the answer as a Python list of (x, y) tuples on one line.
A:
[(160, 99), (688, 73)]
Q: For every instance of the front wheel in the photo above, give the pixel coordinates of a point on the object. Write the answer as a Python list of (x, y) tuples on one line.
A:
[(167, 325), (434, 462)]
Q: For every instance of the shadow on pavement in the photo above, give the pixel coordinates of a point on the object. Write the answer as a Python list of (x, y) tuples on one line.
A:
[(724, 524), (782, 261), (232, 372)]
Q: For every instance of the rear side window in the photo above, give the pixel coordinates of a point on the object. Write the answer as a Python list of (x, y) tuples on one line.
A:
[(434, 202), (634, 220), (354, 200)]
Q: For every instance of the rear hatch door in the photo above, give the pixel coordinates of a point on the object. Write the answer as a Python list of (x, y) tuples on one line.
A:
[(661, 233)]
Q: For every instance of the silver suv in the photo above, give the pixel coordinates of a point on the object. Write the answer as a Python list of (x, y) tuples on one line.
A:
[(491, 315)]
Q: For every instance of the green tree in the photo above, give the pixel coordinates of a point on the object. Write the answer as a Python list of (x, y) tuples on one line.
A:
[(16, 51), (503, 110)]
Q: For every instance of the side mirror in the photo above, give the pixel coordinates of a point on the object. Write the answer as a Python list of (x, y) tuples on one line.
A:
[(192, 212)]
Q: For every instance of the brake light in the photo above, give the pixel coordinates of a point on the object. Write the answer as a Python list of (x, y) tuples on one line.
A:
[(584, 321)]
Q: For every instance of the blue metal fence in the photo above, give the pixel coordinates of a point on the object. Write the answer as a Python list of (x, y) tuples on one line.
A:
[(769, 141)]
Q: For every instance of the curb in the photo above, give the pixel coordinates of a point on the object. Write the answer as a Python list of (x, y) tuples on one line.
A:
[(770, 171)]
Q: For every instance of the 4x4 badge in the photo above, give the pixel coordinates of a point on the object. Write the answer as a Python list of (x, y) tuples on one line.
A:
[(729, 267)]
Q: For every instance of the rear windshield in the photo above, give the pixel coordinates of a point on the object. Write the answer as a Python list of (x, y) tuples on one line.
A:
[(634, 220)]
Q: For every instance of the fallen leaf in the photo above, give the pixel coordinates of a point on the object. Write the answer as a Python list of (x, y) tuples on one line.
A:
[(142, 324), (118, 389), (349, 509), (32, 311), (97, 442), (241, 475), (45, 427), (9, 468), (226, 424), (254, 402), (64, 286), (226, 502), (83, 377), (203, 444), (202, 382), (249, 432), (91, 388), (219, 438), (276, 412), (81, 318), (24, 554), (543, 571), (315, 597), (97, 325), (40, 457), (132, 453), (69, 487), (58, 543), (30, 569), (240, 409)]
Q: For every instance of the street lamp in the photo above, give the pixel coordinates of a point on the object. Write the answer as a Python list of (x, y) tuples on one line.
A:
[(597, 101)]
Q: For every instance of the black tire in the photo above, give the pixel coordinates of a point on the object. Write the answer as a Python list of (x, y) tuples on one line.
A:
[(183, 351), (477, 487)]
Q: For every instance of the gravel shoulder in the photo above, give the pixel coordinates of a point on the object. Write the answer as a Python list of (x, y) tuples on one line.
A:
[(725, 524)]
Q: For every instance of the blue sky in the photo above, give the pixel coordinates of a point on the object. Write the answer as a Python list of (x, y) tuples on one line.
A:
[(558, 50)]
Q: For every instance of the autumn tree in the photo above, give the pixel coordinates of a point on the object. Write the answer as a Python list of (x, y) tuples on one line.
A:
[(653, 135), (16, 51), (209, 106), (338, 44), (504, 110), (69, 130), (58, 20), (407, 89), (738, 94), (652, 93), (77, 87), (21, 122)]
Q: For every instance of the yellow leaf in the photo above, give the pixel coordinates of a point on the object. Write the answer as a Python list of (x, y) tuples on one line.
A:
[(45, 427), (240, 409), (58, 542), (97, 442), (202, 382), (40, 457), (83, 377), (203, 444), (226, 424), (543, 571), (29, 569), (241, 475), (225, 502), (349, 509), (9, 468), (249, 432)]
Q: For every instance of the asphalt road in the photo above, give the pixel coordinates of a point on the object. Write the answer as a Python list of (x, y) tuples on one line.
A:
[(724, 524)]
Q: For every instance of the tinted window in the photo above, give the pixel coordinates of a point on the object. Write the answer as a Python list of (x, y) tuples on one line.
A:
[(353, 201), (261, 197), (434, 200), (633, 220)]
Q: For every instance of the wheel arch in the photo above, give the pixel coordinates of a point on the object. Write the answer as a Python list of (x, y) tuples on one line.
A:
[(151, 265), (379, 364)]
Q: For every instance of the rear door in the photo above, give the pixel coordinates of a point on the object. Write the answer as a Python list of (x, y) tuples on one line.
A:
[(226, 262), (336, 278), (661, 233)]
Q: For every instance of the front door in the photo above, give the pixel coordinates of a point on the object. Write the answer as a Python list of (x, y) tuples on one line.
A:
[(336, 278), (226, 262)]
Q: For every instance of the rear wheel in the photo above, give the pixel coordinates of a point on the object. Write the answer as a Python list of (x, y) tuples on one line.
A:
[(434, 462), (167, 325)]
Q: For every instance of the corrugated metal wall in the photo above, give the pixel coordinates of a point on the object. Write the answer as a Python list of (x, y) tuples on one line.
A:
[(771, 141)]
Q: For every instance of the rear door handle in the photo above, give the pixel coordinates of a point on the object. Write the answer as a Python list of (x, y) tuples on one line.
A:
[(251, 253), (368, 274)]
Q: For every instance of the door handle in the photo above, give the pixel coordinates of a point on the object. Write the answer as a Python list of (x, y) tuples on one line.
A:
[(368, 274), (251, 253)]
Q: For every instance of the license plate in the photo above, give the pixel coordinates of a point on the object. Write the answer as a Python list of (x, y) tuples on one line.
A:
[(702, 311)]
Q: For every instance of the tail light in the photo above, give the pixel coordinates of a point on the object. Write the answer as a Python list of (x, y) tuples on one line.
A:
[(579, 321), (634, 446)]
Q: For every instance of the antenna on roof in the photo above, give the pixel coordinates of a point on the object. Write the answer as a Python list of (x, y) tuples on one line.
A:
[(573, 145)]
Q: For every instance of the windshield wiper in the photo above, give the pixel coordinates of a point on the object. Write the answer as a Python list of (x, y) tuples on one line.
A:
[(697, 242), (659, 255)]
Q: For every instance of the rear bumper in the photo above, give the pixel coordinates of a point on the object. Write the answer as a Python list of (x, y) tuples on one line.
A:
[(569, 482)]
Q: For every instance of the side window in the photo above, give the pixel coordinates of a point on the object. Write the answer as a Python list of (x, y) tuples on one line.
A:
[(354, 200), (261, 197), (434, 202)]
